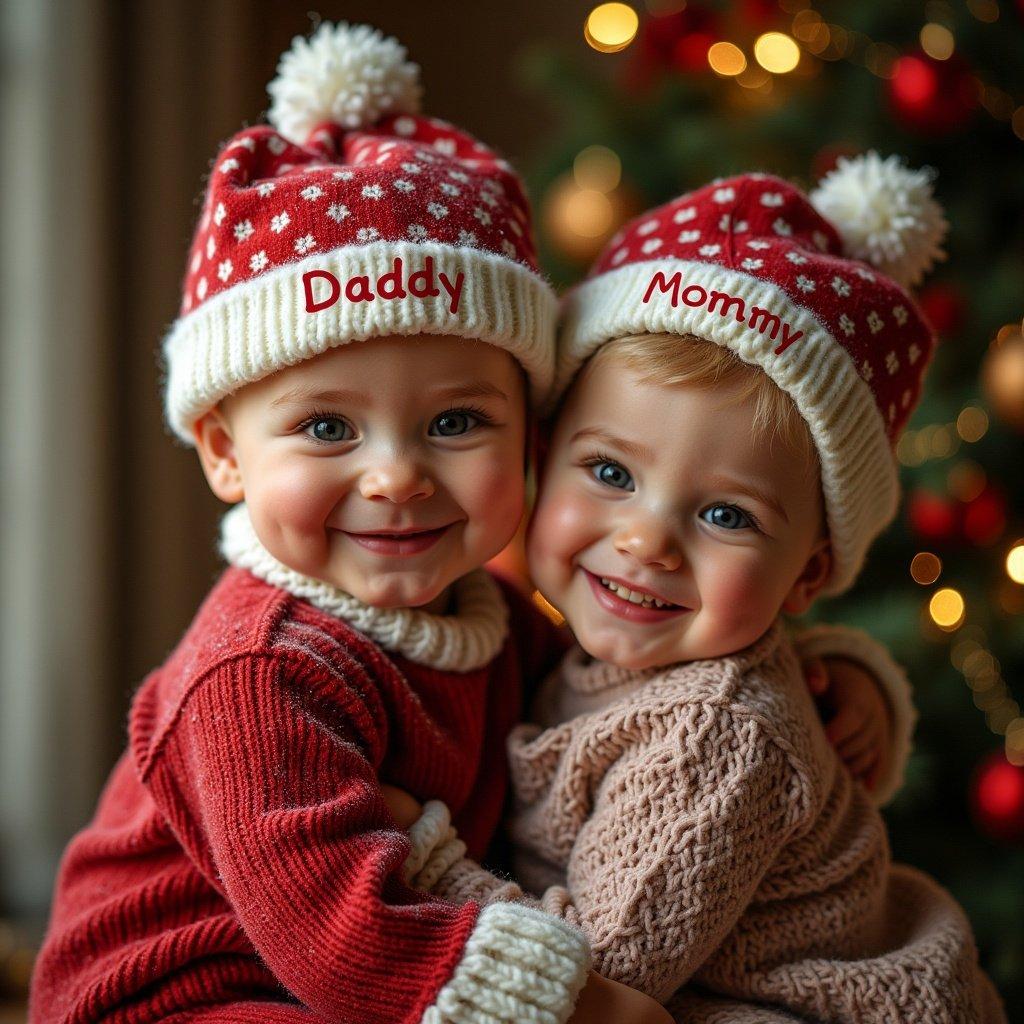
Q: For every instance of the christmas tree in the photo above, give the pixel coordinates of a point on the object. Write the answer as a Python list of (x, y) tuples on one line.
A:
[(654, 101)]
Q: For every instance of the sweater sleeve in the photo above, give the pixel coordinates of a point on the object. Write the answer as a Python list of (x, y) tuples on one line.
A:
[(679, 837), (828, 641), (280, 804)]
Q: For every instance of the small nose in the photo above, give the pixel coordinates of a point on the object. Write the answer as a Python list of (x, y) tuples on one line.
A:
[(649, 543), (397, 481)]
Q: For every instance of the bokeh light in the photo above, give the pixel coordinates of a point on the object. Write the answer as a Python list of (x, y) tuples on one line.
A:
[(1015, 562), (946, 608), (597, 167), (937, 41), (611, 27), (776, 52), (925, 568), (972, 423), (727, 59)]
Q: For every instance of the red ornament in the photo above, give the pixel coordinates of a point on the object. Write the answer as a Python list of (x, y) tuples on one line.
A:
[(932, 96), (997, 798), (985, 517), (944, 306), (665, 41), (691, 52), (931, 516)]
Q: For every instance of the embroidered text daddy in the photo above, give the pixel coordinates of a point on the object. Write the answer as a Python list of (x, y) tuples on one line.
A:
[(695, 296)]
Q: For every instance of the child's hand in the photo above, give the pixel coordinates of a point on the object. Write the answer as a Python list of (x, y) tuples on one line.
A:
[(857, 719), (404, 808), (610, 1002)]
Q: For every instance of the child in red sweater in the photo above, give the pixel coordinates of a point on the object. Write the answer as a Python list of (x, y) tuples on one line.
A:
[(363, 324)]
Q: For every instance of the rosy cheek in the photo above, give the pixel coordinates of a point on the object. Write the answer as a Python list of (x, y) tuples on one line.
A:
[(492, 492), (737, 596), (564, 523), (299, 492)]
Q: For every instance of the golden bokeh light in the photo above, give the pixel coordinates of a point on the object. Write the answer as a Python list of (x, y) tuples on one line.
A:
[(611, 27), (984, 10), (946, 608), (754, 77), (1017, 122), (937, 41), (727, 59), (925, 568), (776, 52), (966, 480), (597, 167), (972, 423), (1015, 742), (1015, 562)]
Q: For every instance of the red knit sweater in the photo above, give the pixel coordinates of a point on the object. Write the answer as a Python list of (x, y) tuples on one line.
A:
[(241, 848)]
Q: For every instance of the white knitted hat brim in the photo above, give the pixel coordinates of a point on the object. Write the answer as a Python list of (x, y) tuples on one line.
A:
[(858, 470), (260, 326)]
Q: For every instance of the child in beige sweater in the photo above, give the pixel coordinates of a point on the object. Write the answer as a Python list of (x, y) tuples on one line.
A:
[(725, 455)]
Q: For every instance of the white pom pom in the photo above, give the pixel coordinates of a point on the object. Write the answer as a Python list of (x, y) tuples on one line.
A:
[(350, 74), (885, 214)]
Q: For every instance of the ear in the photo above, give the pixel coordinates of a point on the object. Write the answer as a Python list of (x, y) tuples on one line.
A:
[(812, 578), (216, 449)]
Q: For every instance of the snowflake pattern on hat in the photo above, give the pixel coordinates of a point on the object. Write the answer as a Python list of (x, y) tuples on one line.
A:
[(407, 178), (764, 227)]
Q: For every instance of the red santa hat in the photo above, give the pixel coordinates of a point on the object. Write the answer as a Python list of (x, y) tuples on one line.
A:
[(351, 216), (754, 265)]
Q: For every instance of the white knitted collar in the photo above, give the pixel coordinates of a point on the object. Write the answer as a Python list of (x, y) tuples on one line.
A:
[(461, 642)]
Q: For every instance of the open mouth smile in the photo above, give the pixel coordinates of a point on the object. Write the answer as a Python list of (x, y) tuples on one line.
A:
[(630, 603)]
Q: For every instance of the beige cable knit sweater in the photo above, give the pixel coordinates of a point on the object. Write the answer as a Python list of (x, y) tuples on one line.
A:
[(695, 822)]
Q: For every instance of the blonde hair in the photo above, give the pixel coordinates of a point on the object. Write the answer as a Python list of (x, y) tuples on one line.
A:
[(673, 360)]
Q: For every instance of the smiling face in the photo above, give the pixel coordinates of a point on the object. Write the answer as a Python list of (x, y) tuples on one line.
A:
[(668, 527), (388, 468)]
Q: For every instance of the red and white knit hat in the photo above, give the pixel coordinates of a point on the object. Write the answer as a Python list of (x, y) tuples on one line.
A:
[(754, 265), (350, 217)]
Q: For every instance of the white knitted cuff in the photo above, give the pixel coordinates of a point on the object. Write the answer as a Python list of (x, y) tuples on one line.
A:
[(428, 832), (449, 851), (846, 642), (519, 965)]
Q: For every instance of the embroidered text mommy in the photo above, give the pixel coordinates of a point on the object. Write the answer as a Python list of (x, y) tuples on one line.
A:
[(695, 296)]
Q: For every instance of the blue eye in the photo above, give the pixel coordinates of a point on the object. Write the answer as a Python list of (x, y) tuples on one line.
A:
[(728, 517), (330, 429), (612, 474), (453, 424)]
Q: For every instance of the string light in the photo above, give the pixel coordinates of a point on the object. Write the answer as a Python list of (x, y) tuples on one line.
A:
[(1015, 742), (984, 10), (776, 52), (598, 168), (983, 674), (925, 568), (1015, 562), (727, 59), (966, 480), (937, 41), (832, 42), (589, 213), (610, 28), (946, 608), (972, 423), (1017, 122)]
